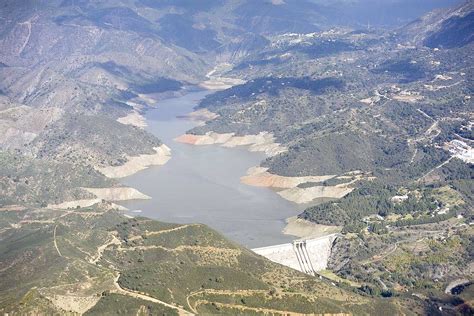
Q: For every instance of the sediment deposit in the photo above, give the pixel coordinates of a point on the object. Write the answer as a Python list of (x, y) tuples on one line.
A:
[(202, 115), (107, 194), (302, 228), (134, 119), (262, 142), (137, 163), (260, 177), (306, 195), (290, 190), (117, 194), (220, 83)]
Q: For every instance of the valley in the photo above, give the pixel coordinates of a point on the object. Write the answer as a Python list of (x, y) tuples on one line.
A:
[(146, 147), (194, 184)]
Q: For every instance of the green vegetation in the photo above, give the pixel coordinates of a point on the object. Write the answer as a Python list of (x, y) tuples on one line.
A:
[(330, 182), (338, 152), (38, 182), (375, 102), (55, 259), (405, 68), (115, 304), (93, 140), (272, 86), (415, 204), (373, 198), (404, 235), (403, 260)]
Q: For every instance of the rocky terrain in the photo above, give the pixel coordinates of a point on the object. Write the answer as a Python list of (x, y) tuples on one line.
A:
[(370, 129)]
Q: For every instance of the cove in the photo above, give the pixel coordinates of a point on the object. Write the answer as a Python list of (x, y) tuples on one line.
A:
[(201, 184)]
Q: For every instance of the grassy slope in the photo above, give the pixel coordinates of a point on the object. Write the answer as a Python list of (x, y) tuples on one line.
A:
[(191, 266)]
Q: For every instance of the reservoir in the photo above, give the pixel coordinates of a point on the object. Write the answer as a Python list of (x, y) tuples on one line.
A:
[(201, 184)]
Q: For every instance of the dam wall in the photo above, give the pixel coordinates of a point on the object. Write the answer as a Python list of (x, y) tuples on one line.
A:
[(308, 256)]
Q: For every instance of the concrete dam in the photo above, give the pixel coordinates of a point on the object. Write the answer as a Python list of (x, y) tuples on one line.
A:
[(308, 256)]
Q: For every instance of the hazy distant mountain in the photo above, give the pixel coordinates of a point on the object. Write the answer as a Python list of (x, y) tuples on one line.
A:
[(449, 28), (381, 13)]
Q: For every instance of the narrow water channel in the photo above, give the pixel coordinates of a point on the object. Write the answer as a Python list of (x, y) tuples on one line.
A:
[(201, 184)]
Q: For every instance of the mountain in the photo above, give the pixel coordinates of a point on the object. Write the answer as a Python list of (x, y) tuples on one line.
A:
[(443, 28), (385, 121), (95, 261), (381, 13), (61, 59), (368, 129)]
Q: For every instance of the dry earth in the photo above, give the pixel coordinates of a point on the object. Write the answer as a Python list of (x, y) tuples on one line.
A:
[(137, 163), (260, 177), (134, 118), (305, 229), (262, 142)]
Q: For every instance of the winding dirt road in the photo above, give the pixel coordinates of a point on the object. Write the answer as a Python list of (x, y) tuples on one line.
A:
[(134, 294)]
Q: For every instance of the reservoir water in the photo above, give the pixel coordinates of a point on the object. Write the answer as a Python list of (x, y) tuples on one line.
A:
[(201, 184)]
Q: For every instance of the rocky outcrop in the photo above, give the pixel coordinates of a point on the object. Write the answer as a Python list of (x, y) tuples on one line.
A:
[(461, 150), (21, 124)]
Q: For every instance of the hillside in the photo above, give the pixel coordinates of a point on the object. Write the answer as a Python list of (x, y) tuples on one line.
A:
[(76, 76), (134, 49), (95, 261), (366, 129), (387, 118)]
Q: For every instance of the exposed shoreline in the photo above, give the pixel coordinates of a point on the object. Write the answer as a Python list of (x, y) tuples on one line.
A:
[(220, 83), (200, 116), (304, 229), (103, 194), (307, 195), (260, 177), (117, 194), (202, 184), (137, 163), (262, 142), (289, 186), (133, 164), (134, 118)]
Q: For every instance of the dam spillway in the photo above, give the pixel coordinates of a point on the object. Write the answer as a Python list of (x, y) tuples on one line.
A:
[(308, 256)]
